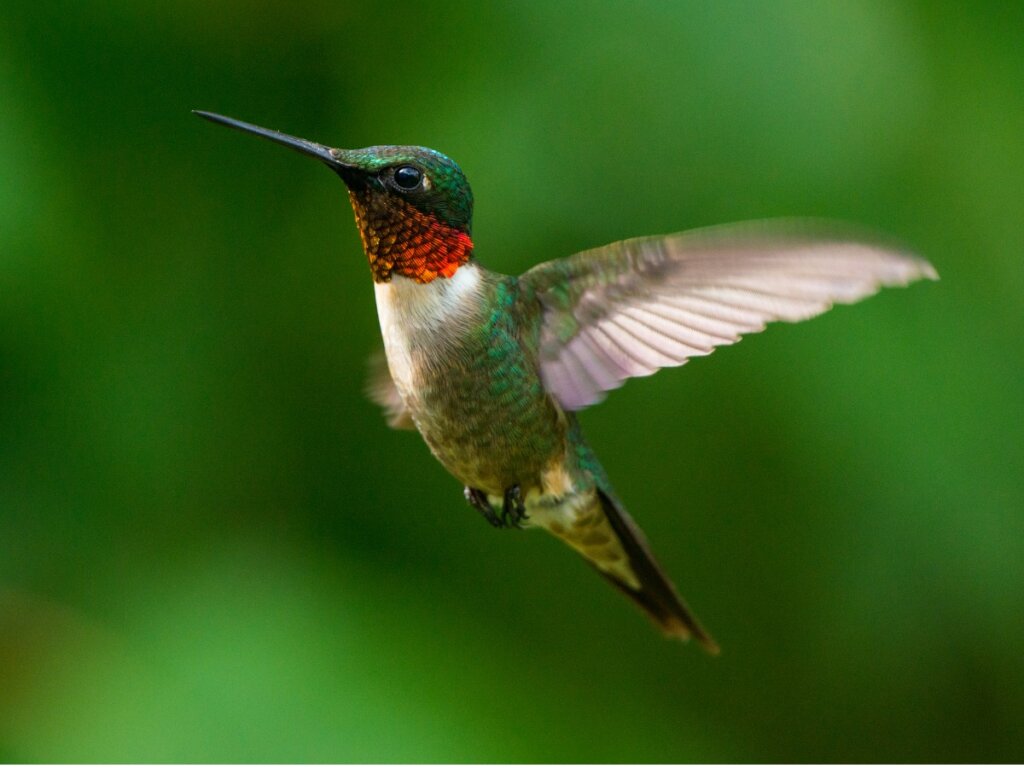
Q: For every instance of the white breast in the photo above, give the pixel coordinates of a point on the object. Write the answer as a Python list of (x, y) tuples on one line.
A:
[(413, 314)]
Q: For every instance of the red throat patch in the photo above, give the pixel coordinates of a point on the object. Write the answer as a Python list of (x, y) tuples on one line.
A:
[(400, 239)]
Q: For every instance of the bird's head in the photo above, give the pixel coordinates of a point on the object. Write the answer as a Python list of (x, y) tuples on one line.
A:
[(413, 205)]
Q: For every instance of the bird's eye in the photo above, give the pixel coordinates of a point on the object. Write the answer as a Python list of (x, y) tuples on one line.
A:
[(408, 177)]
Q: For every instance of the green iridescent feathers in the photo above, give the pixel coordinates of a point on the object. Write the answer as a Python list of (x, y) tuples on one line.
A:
[(446, 194)]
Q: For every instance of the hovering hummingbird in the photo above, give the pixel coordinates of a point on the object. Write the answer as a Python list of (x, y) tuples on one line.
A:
[(491, 369)]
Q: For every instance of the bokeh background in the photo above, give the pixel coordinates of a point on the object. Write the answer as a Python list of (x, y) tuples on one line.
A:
[(211, 547)]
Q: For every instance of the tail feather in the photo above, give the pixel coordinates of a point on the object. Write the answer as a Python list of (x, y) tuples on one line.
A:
[(656, 595)]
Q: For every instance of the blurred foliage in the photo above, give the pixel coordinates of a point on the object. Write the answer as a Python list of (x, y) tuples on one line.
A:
[(211, 548)]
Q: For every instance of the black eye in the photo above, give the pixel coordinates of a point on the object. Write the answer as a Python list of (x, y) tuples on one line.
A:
[(408, 177)]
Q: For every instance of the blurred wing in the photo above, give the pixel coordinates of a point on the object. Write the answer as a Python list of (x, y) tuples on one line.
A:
[(632, 307), (381, 389)]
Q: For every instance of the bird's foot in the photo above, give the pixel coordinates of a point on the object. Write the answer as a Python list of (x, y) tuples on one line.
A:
[(478, 500), (513, 512)]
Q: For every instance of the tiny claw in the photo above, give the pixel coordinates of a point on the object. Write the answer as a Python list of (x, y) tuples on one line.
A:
[(513, 511), (478, 500)]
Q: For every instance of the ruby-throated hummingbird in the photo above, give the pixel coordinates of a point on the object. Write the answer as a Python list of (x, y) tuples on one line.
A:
[(492, 368)]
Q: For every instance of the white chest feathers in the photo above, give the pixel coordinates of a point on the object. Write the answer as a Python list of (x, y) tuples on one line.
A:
[(416, 314)]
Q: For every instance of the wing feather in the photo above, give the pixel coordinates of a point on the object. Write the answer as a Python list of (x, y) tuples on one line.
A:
[(630, 308), (592, 358), (381, 389)]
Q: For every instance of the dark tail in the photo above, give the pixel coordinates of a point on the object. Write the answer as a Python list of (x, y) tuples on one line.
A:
[(656, 595)]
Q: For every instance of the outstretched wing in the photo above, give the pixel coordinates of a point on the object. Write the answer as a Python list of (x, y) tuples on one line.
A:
[(635, 306), (381, 389)]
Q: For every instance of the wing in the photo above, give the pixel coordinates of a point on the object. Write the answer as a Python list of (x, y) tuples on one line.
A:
[(632, 307), (380, 388)]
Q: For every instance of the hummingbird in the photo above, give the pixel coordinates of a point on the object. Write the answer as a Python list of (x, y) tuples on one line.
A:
[(491, 369)]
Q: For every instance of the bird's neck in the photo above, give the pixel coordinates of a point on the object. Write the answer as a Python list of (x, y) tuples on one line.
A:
[(421, 321), (402, 240)]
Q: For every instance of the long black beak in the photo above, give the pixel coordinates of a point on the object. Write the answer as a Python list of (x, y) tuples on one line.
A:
[(319, 151)]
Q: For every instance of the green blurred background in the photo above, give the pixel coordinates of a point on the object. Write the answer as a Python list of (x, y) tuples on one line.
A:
[(212, 548)]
